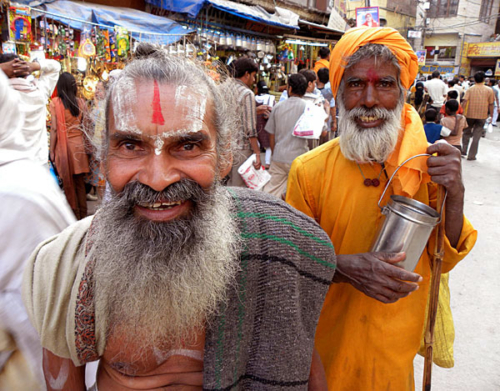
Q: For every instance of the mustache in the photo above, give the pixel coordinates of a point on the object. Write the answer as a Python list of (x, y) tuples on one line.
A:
[(377, 112), (186, 189)]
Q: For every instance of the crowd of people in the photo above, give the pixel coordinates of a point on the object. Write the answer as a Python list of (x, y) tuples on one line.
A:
[(185, 277), (458, 109)]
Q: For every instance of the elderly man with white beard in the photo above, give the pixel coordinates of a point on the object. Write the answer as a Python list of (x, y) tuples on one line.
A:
[(178, 282), (373, 317)]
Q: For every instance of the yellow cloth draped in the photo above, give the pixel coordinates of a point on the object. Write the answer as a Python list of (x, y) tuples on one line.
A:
[(363, 343), (355, 38)]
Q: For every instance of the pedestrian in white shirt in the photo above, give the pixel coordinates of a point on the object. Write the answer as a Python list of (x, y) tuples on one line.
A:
[(34, 96), (33, 209), (437, 90)]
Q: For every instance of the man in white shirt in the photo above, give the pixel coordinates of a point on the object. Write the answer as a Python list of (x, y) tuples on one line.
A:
[(437, 90), (34, 98), (33, 208)]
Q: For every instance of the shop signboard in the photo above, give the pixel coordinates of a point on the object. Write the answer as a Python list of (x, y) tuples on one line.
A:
[(367, 16), (497, 69), (440, 69), (465, 62), (484, 49), (421, 56)]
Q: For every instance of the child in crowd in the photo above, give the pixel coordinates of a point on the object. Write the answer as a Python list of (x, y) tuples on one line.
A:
[(452, 95), (432, 129), (453, 122)]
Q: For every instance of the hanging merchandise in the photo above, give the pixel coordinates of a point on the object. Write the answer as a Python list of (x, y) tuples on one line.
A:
[(87, 48), (20, 24), (122, 42)]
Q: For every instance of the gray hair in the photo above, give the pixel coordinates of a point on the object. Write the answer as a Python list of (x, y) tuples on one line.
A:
[(156, 64), (381, 54)]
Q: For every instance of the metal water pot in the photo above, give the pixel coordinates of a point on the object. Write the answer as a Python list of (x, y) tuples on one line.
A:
[(406, 226)]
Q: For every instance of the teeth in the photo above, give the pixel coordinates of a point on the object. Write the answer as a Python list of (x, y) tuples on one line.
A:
[(368, 119), (161, 205)]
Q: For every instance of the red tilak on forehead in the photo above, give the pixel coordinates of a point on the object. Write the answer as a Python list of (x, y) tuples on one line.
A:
[(372, 75), (157, 115)]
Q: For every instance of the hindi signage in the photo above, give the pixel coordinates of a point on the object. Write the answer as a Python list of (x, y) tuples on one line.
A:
[(484, 49)]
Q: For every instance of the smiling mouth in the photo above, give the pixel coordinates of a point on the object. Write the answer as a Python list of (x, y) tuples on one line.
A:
[(161, 205), (368, 119)]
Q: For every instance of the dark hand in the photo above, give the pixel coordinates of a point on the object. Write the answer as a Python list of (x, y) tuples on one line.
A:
[(446, 170), (257, 164), (376, 276), (15, 68), (263, 109)]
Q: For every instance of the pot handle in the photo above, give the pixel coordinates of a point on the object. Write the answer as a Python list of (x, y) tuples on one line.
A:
[(394, 173)]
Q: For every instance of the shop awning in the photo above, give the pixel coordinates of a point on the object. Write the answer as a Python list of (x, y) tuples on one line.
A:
[(142, 26), (281, 18), (190, 7)]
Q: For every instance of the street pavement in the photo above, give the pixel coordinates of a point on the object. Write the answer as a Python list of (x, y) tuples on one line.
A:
[(474, 283)]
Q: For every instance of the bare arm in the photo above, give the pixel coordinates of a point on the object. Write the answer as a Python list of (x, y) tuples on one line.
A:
[(255, 148), (61, 374), (272, 142), (317, 376)]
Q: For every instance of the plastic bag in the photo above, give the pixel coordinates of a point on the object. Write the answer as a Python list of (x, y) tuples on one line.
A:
[(488, 126), (311, 122), (444, 329), (253, 178)]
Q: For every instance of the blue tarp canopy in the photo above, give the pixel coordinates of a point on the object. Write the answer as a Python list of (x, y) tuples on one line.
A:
[(190, 7), (143, 26), (282, 18)]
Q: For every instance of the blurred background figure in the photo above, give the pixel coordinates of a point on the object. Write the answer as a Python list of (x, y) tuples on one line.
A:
[(34, 95), (263, 97), (68, 143), (32, 209)]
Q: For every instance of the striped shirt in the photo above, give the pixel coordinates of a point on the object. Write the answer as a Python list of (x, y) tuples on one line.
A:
[(247, 115), (478, 98)]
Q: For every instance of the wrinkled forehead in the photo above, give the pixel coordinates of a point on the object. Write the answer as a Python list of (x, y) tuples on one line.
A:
[(128, 96)]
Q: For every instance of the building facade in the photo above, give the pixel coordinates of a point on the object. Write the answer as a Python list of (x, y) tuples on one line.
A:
[(458, 36)]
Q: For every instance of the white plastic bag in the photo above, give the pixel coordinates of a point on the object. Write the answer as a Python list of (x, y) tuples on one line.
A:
[(488, 126), (253, 178), (311, 122), (445, 132)]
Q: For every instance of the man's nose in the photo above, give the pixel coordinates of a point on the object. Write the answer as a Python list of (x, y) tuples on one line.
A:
[(370, 96), (160, 171)]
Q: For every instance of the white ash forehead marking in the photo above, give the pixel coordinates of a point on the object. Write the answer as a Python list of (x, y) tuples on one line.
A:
[(124, 98), (191, 105)]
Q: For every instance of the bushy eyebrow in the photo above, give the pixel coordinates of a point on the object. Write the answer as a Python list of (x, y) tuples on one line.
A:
[(123, 135), (187, 136), (354, 79)]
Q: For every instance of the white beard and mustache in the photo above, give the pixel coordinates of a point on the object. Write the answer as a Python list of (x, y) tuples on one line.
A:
[(162, 282), (373, 144)]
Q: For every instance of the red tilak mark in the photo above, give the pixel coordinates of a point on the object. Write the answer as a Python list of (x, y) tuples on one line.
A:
[(157, 115), (372, 76)]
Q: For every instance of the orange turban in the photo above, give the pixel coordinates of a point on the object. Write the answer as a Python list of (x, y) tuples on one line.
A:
[(355, 38)]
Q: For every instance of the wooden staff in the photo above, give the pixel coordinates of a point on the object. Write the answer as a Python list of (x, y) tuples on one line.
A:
[(436, 261)]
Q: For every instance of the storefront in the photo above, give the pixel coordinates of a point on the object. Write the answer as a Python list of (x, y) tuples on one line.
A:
[(484, 57), (89, 40)]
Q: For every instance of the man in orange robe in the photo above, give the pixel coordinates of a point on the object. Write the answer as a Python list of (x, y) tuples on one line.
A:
[(373, 316), (324, 61)]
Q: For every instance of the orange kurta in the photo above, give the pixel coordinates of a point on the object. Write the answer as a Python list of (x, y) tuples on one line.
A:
[(363, 343)]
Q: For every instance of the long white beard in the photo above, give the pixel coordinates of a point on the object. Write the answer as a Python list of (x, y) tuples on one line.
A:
[(369, 145), (158, 296)]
